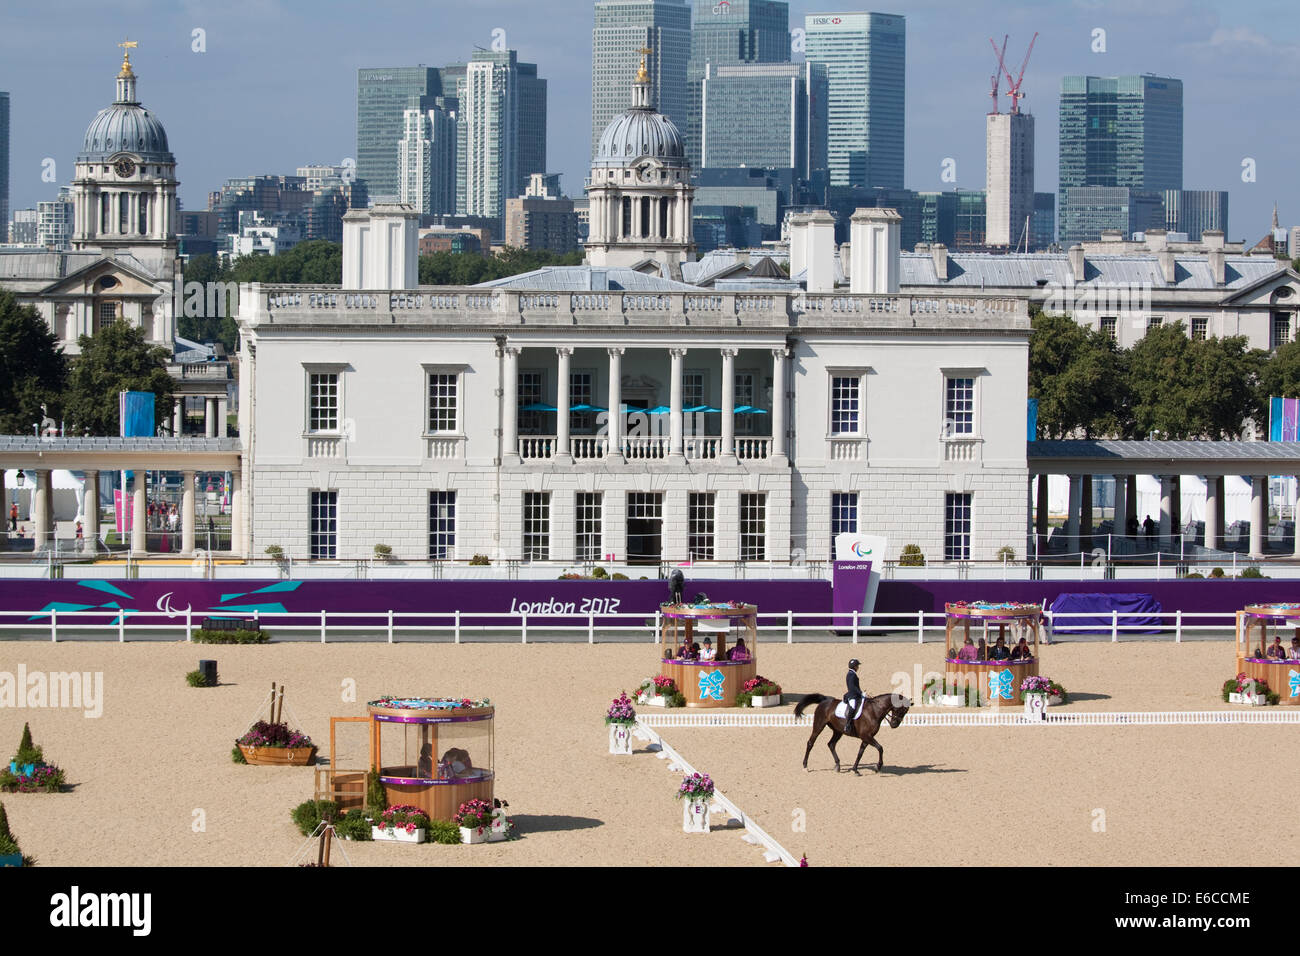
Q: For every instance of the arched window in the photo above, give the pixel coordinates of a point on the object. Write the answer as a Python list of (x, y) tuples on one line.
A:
[(105, 213), (144, 215), (123, 213), (645, 217)]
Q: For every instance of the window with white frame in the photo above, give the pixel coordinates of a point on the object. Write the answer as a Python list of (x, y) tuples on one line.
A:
[(745, 395), (582, 389), (323, 529), (958, 406), (323, 401), (1108, 323), (442, 525), (844, 516), (693, 387), (590, 510), (1155, 321), (531, 384), (753, 527), (956, 526), (699, 525), (444, 402), (1200, 327), (846, 404), (1281, 329), (537, 526)]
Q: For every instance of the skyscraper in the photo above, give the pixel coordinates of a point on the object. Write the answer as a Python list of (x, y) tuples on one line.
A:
[(622, 27), (4, 161), (1009, 179), (382, 97), (727, 33), (426, 157), (500, 131), (1122, 132), (769, 115), (1195, 210), (865, 56)]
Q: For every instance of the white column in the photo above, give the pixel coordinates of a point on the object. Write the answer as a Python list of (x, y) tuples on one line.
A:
[(614, 426), (238, 540), (40, 512), (187, 515), (138, 513), (178, 416), (564, 355), (1258, 514), (1166, 505), (90, 510), (1212, 529), (729, 403), (210, 417), (779, 452), (221, 417), (510, 411), (1074, 508), (1121, 506), (675, 404)]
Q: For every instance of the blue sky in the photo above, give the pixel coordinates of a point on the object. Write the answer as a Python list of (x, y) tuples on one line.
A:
[(276, 87)]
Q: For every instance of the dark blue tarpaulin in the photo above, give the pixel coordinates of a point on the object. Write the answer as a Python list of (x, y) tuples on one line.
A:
[(1134, 613)]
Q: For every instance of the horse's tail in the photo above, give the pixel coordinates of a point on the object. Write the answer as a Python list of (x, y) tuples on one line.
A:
[(806, 700)]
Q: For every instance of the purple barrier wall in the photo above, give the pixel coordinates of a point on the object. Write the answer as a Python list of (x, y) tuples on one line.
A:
[(564, 603), (1209, 595)]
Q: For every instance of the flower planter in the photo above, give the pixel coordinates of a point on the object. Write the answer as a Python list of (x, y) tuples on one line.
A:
[(1252, 700), (950, 700), (474, 834), (11, 859), (398, 834), (620, 738), (657, 701), (277, 756), (771, 700), (1036, 705), (695, 816)]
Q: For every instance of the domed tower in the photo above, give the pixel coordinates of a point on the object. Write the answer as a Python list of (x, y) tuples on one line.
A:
[(125, 185), (641, 193)]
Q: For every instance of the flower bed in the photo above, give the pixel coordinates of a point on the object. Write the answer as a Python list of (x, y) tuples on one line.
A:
[(695, 786), (401, 823), (1054, 692), (266, 743), (759, 692), (475, 821), (660, 691), (430, 703), (28, 772), (621, 710), (1248, 690)]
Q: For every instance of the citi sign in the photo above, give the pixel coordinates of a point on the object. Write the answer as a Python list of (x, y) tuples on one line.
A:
[(825, 21), (722, 7)]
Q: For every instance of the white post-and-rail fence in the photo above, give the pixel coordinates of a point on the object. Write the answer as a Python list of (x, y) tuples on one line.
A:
[(773, 851), (458, 626), (992, 717)]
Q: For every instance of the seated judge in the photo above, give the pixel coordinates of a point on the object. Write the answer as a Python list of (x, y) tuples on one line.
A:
[(1276, 650), (982, 652), (1294, 652), (1000, 652), (740, 652), (707, 652), (688, 652), (968, 651), (1022, 651)]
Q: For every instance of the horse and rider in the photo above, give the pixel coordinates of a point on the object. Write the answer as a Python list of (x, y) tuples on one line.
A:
[(864, 725)]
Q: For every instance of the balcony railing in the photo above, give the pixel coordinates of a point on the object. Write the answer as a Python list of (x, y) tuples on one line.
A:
[(584, 447), (641, 447)]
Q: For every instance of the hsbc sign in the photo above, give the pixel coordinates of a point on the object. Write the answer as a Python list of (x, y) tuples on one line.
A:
[(825, 21)]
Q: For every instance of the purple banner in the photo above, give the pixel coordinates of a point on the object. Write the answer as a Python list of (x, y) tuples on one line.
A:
[(561, 603), (852, 578)]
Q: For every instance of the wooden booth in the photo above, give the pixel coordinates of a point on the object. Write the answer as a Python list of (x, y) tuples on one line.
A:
[(733, 629), (431, 753), (1253, 638), (997, 682)]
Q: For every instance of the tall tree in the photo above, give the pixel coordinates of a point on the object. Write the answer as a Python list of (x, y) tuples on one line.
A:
[(1076, 375), (212, 323), (1280, 375), (116, 358), (33, 368)]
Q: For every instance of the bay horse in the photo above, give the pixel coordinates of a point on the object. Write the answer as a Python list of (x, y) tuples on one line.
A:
[(865, 726)]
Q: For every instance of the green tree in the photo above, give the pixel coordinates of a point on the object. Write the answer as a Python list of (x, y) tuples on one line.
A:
[(471, 268), (204, 327), (33, 368), (115, 359), (318, 262), (1280, 375), (1076, 374)]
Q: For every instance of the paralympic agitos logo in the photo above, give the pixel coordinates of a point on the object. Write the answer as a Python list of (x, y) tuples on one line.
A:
[(860, 550)]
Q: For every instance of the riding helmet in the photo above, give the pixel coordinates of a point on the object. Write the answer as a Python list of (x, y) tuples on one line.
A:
[(855, 663)]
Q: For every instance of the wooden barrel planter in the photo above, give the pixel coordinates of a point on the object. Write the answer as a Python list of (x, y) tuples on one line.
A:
[(1253, 638), (996, 682), (712, 683), (433, 753), (277, 756)]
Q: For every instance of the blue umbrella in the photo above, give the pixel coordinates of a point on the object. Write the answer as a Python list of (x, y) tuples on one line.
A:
[(706, 409), (587, 408), (537, 407), (657, 410), (750, 410)]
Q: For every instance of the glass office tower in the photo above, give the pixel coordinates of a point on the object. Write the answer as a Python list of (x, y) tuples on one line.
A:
[(1120, 132), (865, 56), (622, 27), (4, 162), (382, 97), (765, 115)]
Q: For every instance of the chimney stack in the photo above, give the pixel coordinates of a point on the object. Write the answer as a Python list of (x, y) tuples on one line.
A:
[(939, 254), (1077, 262), (875, 240), (820, 250), (798, 230), (1216, 263), (1168, 267)]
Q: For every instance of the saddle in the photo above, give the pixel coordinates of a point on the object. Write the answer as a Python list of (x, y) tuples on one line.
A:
[(839, 708)]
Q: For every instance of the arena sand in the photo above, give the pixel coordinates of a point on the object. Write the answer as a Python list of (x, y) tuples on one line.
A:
[(948, 796)]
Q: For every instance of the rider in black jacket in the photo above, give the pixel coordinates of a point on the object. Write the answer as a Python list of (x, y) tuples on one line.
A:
[(852, 695)]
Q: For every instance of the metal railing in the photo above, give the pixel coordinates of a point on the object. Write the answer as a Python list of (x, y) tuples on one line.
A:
[(576, 623)]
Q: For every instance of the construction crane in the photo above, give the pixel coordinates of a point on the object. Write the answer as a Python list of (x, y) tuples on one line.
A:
[(997, 74), (1014, 91)]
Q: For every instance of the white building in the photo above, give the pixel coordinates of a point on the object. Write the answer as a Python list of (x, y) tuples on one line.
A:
[(264, 234), (1009, 179), (578, 413), (426, 160)]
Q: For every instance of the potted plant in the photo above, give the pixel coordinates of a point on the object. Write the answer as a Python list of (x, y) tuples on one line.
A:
[(475, 820), (383, 552), (763, 692), (912, 557), (1044, 687), (503, 827), (620, 718), (401, 823), (267, 744), (1246, 690), (28, 772), (696, 791), (664, 690), (10, 853)]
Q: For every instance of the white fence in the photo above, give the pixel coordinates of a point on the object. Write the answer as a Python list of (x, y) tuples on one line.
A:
[(458, 626), (995, 718)]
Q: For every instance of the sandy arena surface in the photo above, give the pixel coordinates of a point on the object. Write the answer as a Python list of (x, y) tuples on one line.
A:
[(948, 796)]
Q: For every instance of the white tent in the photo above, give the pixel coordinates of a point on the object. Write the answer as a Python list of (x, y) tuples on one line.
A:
[(67, 494), (1236, 497)]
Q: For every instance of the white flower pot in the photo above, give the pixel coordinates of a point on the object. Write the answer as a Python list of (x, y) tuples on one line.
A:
[(951, 700), (1036, 706), (620, 738), (695, 816), (657, 701), (771, 700), (1253, 700), (500, 829), (398, 835), (474, 834)]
